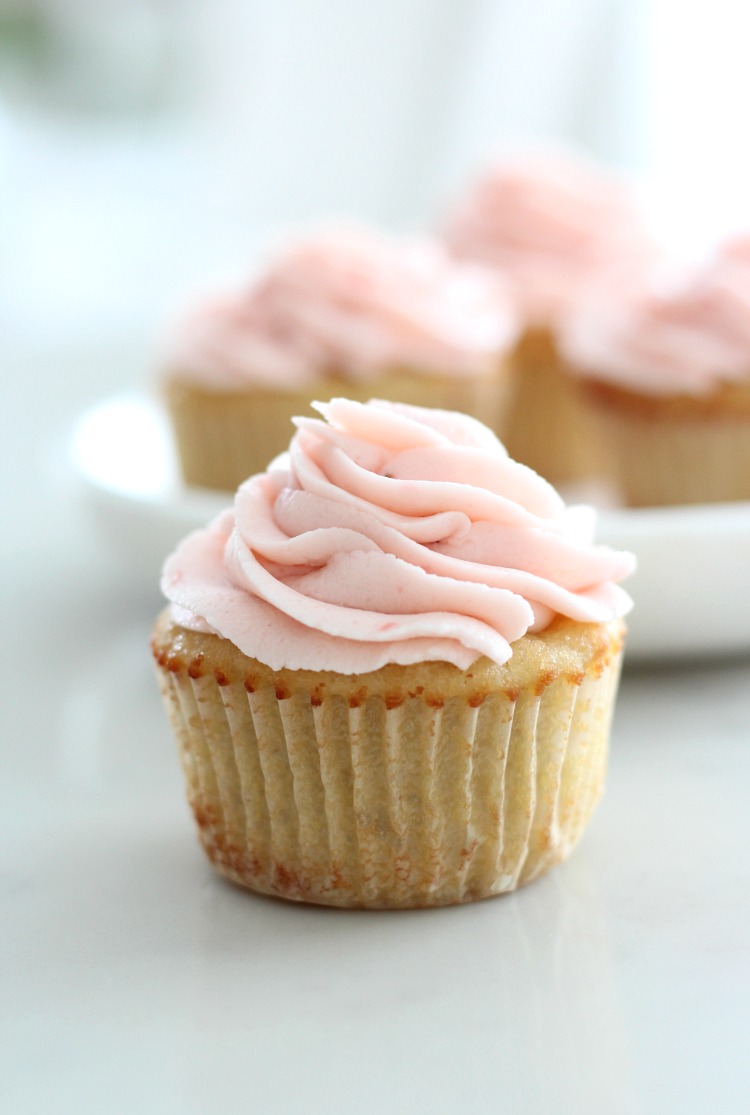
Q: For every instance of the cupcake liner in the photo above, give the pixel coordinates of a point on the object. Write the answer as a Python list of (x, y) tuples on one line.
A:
[(680, 451), (547, 426), (384, 802), (222, 437)]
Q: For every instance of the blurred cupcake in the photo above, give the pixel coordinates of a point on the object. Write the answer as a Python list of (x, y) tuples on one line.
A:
[(554, 226), (666, 375), (391, 666), (343, 309)]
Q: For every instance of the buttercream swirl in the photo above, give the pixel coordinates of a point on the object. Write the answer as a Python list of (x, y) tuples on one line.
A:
[(551, 224), (348, 301), (685, 332), (392, 533)]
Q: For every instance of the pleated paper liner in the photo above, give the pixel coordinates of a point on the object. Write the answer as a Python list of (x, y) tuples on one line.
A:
[(678, 449), (410, 786), (547, 426), (222, 437)]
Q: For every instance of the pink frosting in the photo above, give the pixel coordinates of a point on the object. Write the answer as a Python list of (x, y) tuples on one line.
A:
[(683, 333), (735, 251), (392, 533), (551, 224), (353, 302)]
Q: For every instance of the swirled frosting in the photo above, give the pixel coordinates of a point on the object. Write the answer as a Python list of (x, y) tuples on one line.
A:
[(347, 301), (551, 224), (392, 533), (681, 333)]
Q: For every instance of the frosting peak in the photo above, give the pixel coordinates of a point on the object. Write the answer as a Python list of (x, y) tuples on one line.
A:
[(392, 533), (550, 223), (348, 301), (680, 333)]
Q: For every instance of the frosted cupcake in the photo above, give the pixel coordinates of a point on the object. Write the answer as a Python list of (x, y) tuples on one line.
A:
[(391, 665), (341, 310), (666, 374), (554, 226)]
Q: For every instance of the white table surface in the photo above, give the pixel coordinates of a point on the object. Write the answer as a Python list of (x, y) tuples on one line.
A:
[(134, 980)]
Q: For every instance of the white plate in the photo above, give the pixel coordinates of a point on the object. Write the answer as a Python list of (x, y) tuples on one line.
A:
[(691, 590)]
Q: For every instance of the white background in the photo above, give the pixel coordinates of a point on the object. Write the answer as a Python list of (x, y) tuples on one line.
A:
[(150, 144)]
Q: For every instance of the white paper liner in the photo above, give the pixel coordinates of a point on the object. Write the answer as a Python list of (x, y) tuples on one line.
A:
[(377, 807), (548, 426), (224, 437), (671, 460)]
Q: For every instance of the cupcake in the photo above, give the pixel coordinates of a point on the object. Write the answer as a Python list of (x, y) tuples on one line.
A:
[(391, 665), (340, 309), (666, 376), (554, 226)]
